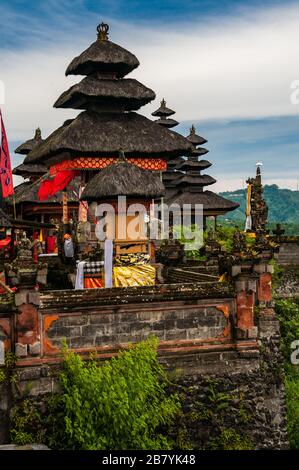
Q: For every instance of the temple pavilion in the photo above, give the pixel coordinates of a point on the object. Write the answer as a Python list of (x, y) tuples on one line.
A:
[(114, 151), (108, 123), (26, 201)]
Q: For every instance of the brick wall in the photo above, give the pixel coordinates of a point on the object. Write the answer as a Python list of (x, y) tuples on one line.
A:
[(109, 327), (288, 254)]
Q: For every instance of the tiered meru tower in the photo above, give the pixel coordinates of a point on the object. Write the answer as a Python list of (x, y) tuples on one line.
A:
[(28, 170), (185, 183), (108, 124)]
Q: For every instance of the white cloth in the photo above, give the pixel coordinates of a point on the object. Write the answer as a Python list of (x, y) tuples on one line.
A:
[(69, 248), (79, 284), (108, 261), (248, 225)]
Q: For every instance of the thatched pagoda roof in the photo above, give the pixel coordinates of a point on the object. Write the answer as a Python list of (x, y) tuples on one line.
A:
[(209, 200), (195, 180), (29, 169), (199, 152), (171, 175), (163, 111), (126, 93), (175, 162), (167, 122), (27, 146), (5, 221), (194, 138), (103, 134), (30, 193), (189, 164), (103, 56), (123, 179)]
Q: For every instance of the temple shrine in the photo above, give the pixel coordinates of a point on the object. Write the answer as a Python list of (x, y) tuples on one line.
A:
[(85, 268)]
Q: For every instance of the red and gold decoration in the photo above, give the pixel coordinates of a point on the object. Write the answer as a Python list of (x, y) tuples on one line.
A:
[(98, 163)]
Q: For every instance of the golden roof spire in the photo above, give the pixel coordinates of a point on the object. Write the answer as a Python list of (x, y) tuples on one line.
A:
[(102, 30)]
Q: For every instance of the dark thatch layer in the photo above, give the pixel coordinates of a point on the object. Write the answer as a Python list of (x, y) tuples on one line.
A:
[(27, 146), (123, 179), (194, 138), (194, 180), (163, 111), (171, 175), (199, 151), (104, 134), (30, 193), (194, 165), (210, 200), (4, 220), (103, 56), (167, 122), (175, 162), (17, 191), (126, 93), (20, 187), (29, 169)]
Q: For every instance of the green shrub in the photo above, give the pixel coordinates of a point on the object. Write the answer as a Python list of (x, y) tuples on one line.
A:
[(118, 405), (229, 439), (288, 313)]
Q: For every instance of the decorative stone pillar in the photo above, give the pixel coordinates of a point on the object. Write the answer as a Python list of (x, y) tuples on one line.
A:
[(245, 281), (26, 275)]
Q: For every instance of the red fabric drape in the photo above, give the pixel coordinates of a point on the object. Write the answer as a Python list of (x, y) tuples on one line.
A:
[(50, 187), (51, 244), (4, 243), (5, 164)]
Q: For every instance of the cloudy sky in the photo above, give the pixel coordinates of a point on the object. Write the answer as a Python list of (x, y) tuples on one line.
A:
[(226, 66)]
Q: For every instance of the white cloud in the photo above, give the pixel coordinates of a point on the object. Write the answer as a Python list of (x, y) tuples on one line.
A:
[(238, 68)]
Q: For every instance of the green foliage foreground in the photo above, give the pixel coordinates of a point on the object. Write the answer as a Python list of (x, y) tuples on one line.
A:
[(288, 313), (120, 404)]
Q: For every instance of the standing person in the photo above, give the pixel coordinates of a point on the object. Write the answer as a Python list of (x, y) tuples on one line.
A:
[(69, 251)]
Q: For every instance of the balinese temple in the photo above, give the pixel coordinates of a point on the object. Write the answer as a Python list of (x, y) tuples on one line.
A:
[(107, 125), (163, 113), (26, 200), (185, 181)]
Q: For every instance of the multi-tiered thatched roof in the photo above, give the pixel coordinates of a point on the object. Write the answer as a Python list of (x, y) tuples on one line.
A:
[(108, 123), (30, 170), (30, 144), (185, 182), (4, 220)]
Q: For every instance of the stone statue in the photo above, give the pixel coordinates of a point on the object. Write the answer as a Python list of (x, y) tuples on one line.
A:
[(24, 247)]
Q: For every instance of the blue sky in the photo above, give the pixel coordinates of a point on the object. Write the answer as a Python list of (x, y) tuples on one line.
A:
[(226, 65)]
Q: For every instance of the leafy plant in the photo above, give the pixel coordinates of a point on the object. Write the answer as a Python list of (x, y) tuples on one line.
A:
[(118, 405), (229, 439), (288, 313)]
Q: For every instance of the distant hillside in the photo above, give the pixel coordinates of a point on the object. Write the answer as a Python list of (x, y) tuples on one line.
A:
[(283, 204)]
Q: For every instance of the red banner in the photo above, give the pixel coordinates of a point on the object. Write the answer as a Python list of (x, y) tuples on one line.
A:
[(5, 164), (50, 187)]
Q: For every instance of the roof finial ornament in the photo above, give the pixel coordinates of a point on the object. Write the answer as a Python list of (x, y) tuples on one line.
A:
[(121, 156), (192, 130), (102, 30), (38, 133), (163, 103)]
